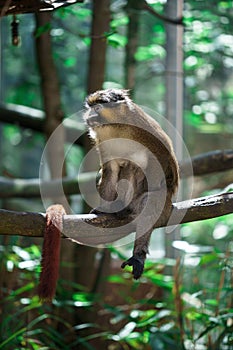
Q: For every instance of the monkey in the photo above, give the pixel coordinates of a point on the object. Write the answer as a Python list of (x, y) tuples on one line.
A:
[(51, 252), (139, 170)]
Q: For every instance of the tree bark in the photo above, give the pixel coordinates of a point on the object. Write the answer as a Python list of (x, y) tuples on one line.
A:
[(100, 26), (133, 10), (75, 226), (50, 94), (34, 119), (203, 164), (208, 163)]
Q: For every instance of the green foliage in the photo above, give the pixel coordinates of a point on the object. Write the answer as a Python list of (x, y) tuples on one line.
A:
[(145, 53), (119, 20), (195, 313), (117, 40), (40, 330), (43, 29), (189, 308)]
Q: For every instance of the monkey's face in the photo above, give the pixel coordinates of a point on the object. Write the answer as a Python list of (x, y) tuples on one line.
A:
[(106, 107)]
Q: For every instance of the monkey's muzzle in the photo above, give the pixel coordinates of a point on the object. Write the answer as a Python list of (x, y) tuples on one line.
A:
[(94, 119)]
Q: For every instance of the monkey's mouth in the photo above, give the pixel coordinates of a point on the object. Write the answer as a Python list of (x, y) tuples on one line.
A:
[(94, 120)]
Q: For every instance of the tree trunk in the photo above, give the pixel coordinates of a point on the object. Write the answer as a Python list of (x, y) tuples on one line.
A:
[(174, 88), (100, 26), (53, 119), (133, 10), (50, 94)]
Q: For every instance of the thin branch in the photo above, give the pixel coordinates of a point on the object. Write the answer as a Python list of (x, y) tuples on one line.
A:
[(34, 119), (202, 164), (31, 188), (5, 8), (175, 21), (207, 163), (83, 228)]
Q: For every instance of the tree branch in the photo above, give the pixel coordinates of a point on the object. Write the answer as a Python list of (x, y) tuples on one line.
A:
[(202, 164), (30, 188), (175, 21), (34, 119), (207, 163), (83, 228)]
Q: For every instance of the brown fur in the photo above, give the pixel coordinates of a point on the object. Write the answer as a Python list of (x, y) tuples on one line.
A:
[(112, 115)]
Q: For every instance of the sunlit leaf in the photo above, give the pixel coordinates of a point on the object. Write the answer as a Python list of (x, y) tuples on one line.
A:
[(163, 281), (211, 302), (70, 62), (145, 53), (116, 279), (194, 315), (117, 40), (208, 258), (120, 21)]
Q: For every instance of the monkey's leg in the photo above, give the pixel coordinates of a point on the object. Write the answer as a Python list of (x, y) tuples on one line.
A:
[(155, 205), (146, 202), (139, 254)]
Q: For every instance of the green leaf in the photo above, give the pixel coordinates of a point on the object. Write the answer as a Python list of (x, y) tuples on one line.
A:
[(151, 316), (70, 62), (42, 29), (87, 41), (127, 330), (146, 53), (81, 299), (116, 279), (162, 281), (117, 40), (193, 315), (13, 336), (26, 288), (208, 258), (211, 302), (120, 21)]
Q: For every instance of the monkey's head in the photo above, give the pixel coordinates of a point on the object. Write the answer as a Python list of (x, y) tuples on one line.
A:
[(105, 107)]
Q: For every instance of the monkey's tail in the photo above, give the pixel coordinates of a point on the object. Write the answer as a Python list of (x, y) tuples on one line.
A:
[(51, 253)]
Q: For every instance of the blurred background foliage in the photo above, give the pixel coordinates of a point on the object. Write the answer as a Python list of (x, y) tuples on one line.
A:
[(178, 304)]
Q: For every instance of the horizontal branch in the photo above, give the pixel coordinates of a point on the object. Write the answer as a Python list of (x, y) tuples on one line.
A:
[(208, 163), (34, 119), (202, 164), (99, 229), (31, 188)]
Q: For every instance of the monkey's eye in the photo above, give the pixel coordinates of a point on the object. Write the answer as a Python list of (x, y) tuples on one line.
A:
[(98, 108)]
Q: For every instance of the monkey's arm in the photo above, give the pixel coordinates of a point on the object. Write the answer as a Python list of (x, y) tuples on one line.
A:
[(51, 252)]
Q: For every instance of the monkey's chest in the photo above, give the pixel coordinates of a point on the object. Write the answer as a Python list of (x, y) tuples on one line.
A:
[(123, 151)]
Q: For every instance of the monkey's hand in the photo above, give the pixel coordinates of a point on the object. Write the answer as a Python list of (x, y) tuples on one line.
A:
[(139, 254), (138, 265)]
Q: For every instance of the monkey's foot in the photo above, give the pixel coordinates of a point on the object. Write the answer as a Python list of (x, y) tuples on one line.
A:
[(138, 266)]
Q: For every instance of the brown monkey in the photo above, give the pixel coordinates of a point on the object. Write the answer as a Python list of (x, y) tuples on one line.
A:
[(139, 170), (51, 252)]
